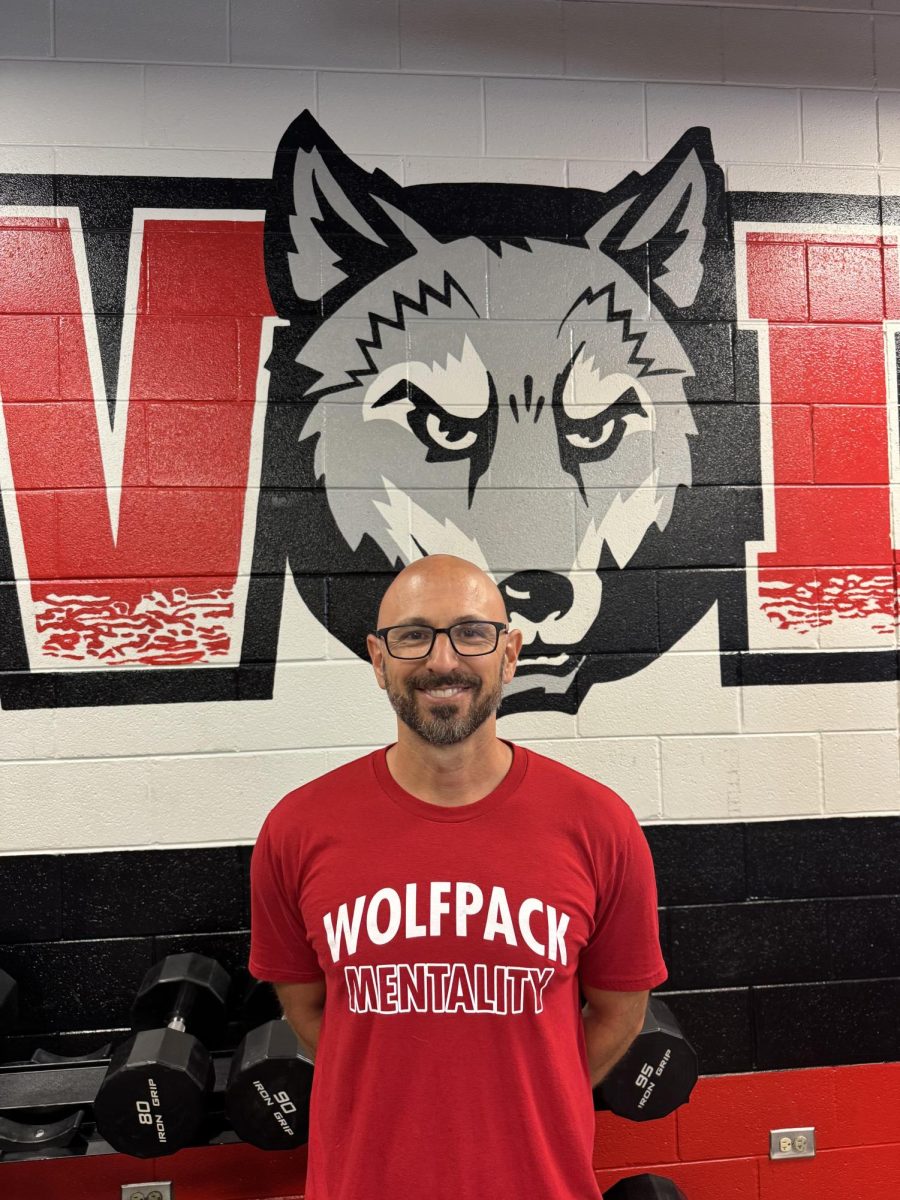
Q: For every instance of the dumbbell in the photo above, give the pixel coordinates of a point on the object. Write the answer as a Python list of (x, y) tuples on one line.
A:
[(644, 1187), (155, 1093), (9, 1000), (656, 1075), (268, 1089)]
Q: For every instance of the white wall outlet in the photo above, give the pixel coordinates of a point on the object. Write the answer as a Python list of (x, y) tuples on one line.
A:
[(792, 1143), (147, 1191)]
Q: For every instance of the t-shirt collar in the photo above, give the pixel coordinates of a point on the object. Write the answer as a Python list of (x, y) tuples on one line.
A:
[(456, 812)]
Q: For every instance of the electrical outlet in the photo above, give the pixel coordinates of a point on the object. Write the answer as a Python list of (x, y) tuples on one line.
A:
[(147, 1191), (792, 1143)]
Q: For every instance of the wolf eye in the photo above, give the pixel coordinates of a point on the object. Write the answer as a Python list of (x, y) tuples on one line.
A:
[(585, 443), (605, 431), (445, 435), (445, 438)]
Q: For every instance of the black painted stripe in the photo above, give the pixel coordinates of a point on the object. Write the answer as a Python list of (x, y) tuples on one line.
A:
[(782, 937)]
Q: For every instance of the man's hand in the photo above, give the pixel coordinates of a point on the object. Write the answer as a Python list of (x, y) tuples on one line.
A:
[(303, 1005), (612, 1020)]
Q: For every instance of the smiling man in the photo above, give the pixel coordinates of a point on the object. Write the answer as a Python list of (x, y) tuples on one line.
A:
[(428, 914)]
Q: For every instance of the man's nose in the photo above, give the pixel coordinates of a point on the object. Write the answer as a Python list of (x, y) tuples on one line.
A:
[(442, 652)]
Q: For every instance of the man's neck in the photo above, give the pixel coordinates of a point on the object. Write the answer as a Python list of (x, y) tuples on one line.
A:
[(449, 775)]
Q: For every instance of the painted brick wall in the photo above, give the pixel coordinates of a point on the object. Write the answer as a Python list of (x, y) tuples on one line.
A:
[(543, 92), (802, 101)]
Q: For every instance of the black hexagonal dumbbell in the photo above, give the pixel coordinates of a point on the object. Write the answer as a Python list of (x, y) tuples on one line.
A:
[(644, 1187), (9, 1001), (155, 1094), (268, 1089), (656, 1075)]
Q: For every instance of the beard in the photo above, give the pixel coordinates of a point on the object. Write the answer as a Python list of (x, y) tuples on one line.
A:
[(442, 725)]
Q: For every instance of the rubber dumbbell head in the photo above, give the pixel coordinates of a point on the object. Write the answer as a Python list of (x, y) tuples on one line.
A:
[(154, 1096), (644, 1187), (9, 1001), (656, 1075), (268, 1089)]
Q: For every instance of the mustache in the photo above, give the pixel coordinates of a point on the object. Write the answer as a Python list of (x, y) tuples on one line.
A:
[(454, 679)]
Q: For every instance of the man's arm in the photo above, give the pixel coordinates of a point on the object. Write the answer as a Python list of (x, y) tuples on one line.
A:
[(612, 1020), (303, 1005)]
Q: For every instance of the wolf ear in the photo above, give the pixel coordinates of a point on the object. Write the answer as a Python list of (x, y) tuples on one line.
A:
[(667, 214), (330, 224)]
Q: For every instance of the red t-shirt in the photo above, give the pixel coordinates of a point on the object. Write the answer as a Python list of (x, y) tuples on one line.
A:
[(451, 1060)]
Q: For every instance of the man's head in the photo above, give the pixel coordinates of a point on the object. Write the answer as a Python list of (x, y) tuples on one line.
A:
[(445, 697)]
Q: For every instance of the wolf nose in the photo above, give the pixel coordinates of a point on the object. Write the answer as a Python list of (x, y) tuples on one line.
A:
[(536, 595)]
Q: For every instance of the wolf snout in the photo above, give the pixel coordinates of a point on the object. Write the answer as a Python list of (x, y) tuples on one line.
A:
[(537, 595)]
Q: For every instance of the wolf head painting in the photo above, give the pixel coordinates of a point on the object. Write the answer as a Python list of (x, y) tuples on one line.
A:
[(533, 378)]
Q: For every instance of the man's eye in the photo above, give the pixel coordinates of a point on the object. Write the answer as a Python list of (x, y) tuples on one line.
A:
[(444, 438), (409, 635)]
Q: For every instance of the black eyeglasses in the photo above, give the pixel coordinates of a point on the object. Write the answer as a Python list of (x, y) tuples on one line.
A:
[(468, 638)]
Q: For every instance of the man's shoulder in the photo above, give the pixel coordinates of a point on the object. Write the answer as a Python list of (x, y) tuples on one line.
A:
[(327, 790), (575, 788)]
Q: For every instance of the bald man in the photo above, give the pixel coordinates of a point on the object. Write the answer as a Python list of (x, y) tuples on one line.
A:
[(428, 914)]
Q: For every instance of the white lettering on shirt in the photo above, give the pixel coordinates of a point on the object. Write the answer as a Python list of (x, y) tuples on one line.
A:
[(378, 936), (499, 918), (557, 924), (439, 907), (446, 988), (349, 932), (389, 914)]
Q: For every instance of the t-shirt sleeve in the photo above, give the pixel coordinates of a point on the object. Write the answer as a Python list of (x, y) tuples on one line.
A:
[(280, 950), (623, 952)]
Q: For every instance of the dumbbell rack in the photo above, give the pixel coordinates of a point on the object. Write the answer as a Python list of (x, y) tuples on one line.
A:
[(45, 1094)]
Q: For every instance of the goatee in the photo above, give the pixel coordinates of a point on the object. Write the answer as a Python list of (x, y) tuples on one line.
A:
[(442, 724)]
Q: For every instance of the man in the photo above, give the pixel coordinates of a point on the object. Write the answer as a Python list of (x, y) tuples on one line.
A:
[(427, 915)]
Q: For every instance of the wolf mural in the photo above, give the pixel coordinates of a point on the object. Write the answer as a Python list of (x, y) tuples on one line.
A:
[(538, 379)]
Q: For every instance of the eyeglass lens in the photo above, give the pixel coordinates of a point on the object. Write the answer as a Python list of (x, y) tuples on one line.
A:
[(468, 637)]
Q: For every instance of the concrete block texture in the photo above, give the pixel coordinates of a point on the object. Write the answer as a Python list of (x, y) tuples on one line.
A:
[(887, 51), (315, 33), (630, 766), (737, 777), (133, 31), (748, 124), (575, 118), (223, 108), (58, 104), (402, 114), (191, 795), (91, 804), (861, 772), (644, 41), (798, 48), (839, 127), (27, 28), (521, 37), (799, 97)]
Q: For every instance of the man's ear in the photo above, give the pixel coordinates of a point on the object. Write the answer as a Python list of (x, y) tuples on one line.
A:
[(376, 654), (511, 652)]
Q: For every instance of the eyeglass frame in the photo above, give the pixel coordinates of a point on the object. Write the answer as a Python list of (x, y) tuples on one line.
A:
[(498, 626)]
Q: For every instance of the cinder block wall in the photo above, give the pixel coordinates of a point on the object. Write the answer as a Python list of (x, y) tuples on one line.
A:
[(772, 808)]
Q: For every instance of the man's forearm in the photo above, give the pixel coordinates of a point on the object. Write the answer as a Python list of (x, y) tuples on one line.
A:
[(303, 1006), (605, 1041), (307, 1031)]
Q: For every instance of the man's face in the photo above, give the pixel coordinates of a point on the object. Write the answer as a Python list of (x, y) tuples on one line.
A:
[(443, 703), (447, 696)]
